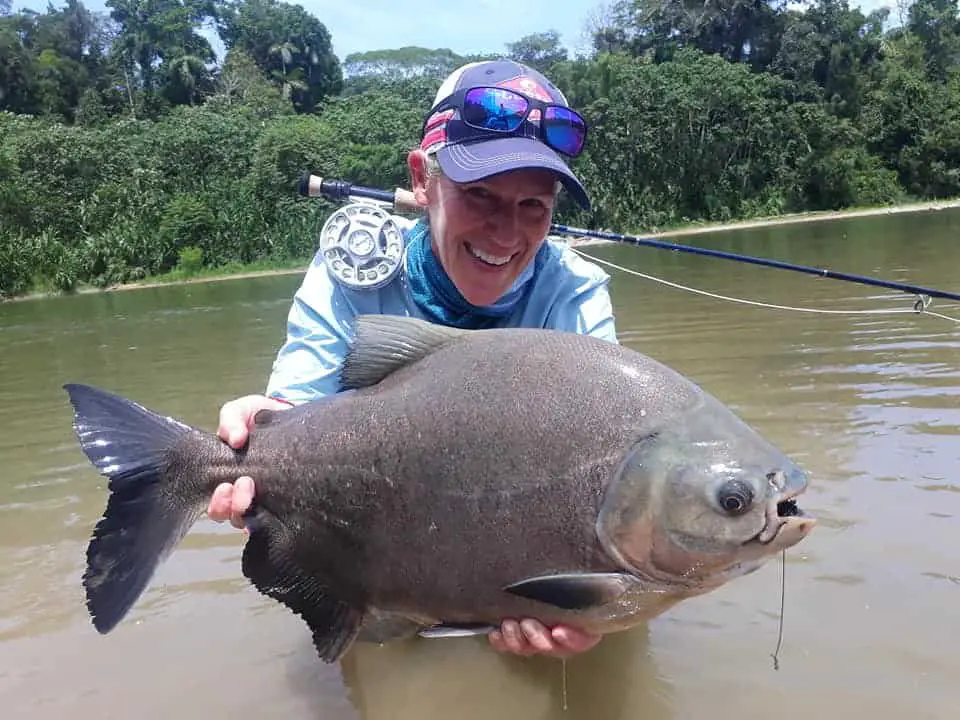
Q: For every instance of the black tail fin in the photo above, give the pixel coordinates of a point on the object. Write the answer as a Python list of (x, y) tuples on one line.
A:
[(145, 516)]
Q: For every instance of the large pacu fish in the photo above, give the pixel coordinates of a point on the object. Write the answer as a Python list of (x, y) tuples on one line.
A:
[(459, 478)]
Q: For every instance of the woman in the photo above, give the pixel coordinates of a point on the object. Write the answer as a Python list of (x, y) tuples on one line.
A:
[(487, 174)]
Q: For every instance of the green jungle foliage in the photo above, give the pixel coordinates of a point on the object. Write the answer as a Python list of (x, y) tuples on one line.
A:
[(127, 149)]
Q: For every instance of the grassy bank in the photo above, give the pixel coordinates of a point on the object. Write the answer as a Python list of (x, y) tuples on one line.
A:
[(236, 271), (230, 271)]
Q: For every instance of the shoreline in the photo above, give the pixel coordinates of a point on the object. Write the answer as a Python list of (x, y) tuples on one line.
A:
[(695, 229), (146, 284)]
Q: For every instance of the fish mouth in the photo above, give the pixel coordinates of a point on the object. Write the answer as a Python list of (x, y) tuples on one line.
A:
[(786, 523)]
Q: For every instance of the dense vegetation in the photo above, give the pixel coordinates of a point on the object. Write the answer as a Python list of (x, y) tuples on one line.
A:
[(127, 147)]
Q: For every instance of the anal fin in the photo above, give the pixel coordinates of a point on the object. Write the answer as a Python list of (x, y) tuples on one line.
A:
[(450, 630), (271, 568)]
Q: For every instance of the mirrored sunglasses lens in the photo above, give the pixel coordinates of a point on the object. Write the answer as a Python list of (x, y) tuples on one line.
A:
[(493, 109), (565, 130)]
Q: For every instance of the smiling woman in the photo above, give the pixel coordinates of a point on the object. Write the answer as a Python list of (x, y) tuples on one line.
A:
[(478, 258)]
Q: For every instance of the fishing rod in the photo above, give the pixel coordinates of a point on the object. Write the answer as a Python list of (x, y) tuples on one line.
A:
[(402, 200)]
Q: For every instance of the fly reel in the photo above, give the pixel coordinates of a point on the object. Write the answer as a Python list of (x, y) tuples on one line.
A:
[(362, 246)]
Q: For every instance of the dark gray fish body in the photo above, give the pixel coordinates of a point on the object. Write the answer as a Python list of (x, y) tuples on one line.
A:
[(461, 478)]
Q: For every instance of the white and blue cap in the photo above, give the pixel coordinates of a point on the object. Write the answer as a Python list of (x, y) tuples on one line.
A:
[(495, 116)]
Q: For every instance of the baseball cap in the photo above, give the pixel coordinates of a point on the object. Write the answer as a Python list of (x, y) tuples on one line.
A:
[(467, 154)]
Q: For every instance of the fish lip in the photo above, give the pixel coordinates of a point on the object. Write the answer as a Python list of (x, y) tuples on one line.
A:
[(782, 511)]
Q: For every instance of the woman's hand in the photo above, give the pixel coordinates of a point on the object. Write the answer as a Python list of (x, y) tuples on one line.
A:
[(230, 500), (531, 637)]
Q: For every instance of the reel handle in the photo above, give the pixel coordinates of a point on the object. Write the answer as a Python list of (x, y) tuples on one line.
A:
[(405, 201), (314, 186)]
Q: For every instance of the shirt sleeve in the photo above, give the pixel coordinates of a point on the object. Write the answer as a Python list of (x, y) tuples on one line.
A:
[(318, 332), (595, 314)]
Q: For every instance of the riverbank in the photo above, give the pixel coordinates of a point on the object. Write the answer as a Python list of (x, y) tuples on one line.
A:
[(234, 272), (178, 277)]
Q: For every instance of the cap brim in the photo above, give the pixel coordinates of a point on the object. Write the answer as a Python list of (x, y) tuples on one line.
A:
[(469, 162)]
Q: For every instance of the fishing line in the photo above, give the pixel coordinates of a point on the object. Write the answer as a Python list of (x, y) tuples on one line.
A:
[(563, 680), (921, 305), (783, 601)]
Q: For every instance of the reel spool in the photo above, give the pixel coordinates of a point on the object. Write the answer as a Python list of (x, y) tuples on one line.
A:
[(362, 246)]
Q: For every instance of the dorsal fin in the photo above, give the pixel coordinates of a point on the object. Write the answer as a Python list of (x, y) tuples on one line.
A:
[(383, 344)]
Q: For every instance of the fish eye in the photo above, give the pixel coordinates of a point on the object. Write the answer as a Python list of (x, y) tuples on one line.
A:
[(735, 497)]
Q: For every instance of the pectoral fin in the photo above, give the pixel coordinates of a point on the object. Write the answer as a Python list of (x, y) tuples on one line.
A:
[(269, 564), (574, 591)]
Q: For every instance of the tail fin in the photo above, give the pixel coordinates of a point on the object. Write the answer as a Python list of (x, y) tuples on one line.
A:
[(145, 517)]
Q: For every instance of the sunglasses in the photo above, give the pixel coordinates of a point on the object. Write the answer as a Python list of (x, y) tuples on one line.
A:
[(505, 111)]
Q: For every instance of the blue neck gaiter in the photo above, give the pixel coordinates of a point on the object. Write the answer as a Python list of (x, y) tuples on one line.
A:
[(438, 297)]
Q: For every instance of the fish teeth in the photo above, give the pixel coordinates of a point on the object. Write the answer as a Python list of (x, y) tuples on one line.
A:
[(489, 259)]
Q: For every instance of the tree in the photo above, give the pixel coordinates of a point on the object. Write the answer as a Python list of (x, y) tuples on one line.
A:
[(242, 84), (402, 63), (539, 50), (737, 30), (151, 36), (290, 46), (49, 59), (936, 26)]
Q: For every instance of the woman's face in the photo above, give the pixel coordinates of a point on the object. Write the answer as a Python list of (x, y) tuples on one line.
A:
[(486, 232)]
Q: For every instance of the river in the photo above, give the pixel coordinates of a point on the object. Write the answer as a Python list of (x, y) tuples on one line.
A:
[(868, 403)]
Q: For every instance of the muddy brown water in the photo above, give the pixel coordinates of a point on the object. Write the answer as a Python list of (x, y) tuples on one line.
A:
[(869, 403)]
